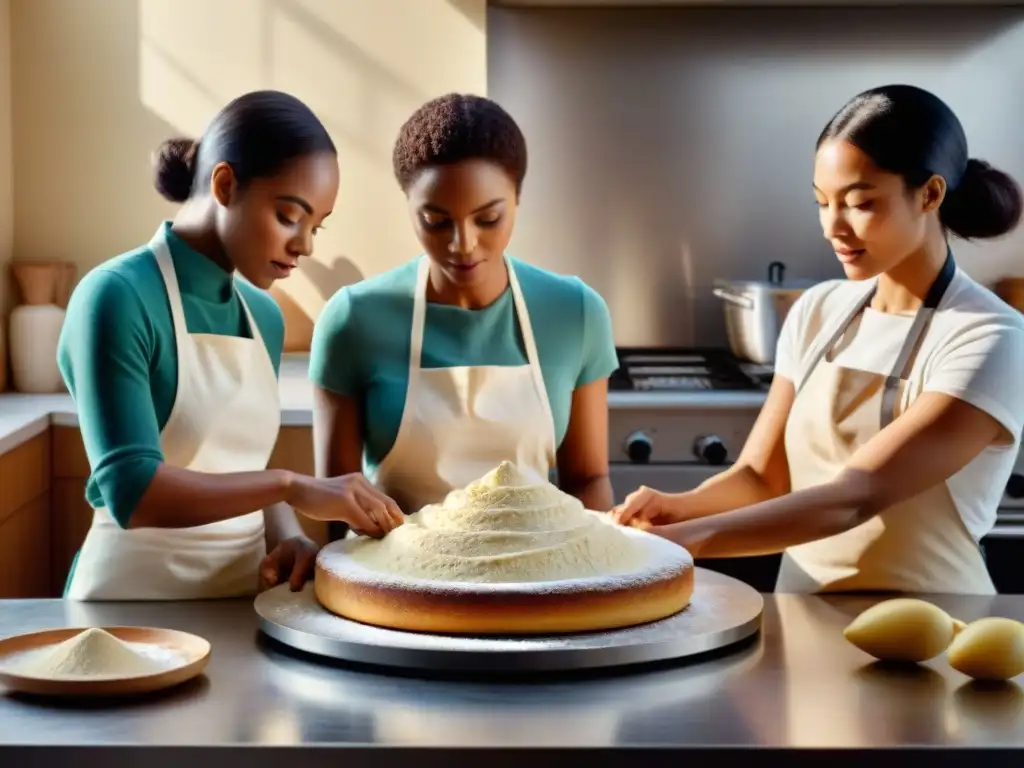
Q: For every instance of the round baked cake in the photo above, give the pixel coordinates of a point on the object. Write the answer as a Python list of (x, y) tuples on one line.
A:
[(506, 555)]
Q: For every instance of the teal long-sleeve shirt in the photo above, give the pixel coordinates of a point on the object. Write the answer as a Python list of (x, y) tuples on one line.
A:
[(118, 358), (361, 343)]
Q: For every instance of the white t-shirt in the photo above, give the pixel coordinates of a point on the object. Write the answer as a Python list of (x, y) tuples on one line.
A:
[(973, 349)]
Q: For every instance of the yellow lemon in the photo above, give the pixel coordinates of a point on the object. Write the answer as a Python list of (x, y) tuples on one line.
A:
[(903, 629), (989, 649)]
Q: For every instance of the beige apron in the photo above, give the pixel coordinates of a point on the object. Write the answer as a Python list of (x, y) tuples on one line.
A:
[(920, 545), (225, 418), (459, 423)]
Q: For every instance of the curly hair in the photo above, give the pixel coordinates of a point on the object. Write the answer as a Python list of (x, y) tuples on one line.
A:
[(459, 127)]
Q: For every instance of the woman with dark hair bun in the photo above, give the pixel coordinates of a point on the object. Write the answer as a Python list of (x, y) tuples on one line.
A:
[(895, 415), (171, 353), (430, 374)]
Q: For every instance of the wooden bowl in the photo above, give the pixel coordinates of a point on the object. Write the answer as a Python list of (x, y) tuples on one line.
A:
[(37, 281), (193, 653)]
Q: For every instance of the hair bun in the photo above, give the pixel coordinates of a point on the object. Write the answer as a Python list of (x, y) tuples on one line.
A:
[(987, 203), (174, 168)]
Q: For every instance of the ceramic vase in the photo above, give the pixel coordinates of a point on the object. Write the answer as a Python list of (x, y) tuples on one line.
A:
[(34, 327), (34, 331)]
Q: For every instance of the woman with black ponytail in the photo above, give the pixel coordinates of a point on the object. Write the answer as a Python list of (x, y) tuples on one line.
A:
[(895, 415), (171, 353)]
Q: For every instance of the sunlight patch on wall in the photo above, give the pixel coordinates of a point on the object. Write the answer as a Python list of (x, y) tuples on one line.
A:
[(430, 44), (196, 55)]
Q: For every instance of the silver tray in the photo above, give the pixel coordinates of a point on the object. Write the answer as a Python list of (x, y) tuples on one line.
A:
[(722, 611)]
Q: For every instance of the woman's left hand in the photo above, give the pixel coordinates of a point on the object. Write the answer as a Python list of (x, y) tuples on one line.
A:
[(292, 560)]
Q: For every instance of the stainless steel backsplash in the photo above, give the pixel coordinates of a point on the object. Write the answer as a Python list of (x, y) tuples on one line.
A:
[(673, 146)]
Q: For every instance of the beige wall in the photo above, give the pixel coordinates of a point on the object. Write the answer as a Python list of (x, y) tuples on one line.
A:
[(99, 83), (6, 156)]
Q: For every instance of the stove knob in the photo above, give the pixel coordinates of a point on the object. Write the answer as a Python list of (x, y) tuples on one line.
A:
[(710, 449), (1015, 486), (639, 448)]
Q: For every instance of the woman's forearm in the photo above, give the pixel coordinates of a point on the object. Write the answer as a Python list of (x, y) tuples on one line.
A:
[(182, 498), (772, 526), (737, 487)]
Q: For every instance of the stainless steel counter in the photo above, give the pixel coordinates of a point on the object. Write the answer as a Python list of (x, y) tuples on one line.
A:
[(797, 689)]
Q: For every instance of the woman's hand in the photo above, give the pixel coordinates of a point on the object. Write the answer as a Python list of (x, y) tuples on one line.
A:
[(664, 515), (348, 498), (646, 508), (292, 560)]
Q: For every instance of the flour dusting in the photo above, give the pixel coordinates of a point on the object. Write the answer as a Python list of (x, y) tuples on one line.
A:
[(505, 527), (93, 653)]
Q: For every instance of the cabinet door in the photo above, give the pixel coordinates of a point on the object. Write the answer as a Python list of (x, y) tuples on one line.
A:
[(25, 520), (25, 552)]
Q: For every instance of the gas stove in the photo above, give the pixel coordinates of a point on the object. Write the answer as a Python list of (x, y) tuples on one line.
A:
[(685, 370), (679, 416)]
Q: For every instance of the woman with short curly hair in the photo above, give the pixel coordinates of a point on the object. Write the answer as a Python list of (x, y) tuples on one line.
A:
[(429, 375)]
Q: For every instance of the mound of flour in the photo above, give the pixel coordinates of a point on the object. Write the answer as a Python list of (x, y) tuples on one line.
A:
[(92, 653), (504, 527)]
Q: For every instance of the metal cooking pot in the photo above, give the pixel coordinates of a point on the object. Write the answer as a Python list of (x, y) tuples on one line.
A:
[(755, 311)]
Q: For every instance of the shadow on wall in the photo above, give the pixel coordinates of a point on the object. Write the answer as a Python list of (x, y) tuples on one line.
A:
[(329, 279), (474, 11)]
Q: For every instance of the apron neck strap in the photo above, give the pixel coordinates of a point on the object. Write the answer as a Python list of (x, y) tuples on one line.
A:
[(933, 298), (419, 314), (165, 261)]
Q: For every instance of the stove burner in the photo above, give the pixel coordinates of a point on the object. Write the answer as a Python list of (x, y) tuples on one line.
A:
[(673, 383), (684, 370), (667, 358), (667, 370)]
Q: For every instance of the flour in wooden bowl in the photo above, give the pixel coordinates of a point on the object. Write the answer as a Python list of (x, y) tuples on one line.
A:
[(92, 653)]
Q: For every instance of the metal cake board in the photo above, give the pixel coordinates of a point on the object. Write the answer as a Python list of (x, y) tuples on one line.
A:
[(722, 611)]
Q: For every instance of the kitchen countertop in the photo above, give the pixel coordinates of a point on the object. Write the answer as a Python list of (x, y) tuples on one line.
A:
[(25, 416), (797, 688)]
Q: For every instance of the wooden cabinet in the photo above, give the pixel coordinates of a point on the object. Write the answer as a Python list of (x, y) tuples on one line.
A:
[(25, 566), (44, 515), (70, 513)]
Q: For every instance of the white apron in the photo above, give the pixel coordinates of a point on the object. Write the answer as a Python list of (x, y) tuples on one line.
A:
[(225, 418), (460, 423), (921, 545)]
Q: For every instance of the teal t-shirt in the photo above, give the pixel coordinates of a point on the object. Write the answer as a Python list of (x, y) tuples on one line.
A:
[(118, 357), (361, 343)]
